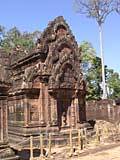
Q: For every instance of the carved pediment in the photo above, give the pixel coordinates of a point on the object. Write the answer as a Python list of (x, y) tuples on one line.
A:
[(55, 60), (62, 62), (67, 76), (54, 35)]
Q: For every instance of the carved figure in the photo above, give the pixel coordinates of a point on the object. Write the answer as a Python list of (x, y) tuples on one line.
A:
[(64, 119), (38, 44), (30, 73)]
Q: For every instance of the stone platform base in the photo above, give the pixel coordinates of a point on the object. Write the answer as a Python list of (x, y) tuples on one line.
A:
[(6, 153), (59, 137), (11, 158), (84, 125)]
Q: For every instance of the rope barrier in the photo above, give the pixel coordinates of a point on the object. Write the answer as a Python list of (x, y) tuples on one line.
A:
[(15, 146), (77, 141)]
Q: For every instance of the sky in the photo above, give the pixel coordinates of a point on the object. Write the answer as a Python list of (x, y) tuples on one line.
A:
[(31, 15)]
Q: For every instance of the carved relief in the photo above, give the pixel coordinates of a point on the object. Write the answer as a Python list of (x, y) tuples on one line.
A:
[(62, 57), (41, 46), (61, 31), (62, 67), (19, 111), (53, 69), (29, 75), (34, 113)]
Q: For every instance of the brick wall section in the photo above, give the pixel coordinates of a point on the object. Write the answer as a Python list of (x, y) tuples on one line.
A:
[(103, 110)]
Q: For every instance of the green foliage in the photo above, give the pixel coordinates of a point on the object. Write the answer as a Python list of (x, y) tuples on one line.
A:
[(14, 37), (91, 66), (98, 10), (1, 31), (113, 83), (87, 54)]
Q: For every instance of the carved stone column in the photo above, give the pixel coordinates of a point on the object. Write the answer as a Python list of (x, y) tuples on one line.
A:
[(82, 109), (41, 104), (3, 120), (54, 120), (73, 113), (76, 110), (68, 116), (48, 107), (5, 151), (15, 108), (24, 102)]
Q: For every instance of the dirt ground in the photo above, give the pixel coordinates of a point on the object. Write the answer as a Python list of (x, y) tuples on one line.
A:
[(102, 152), (108, 149), (103, 145), (108, 154), (111, 154)]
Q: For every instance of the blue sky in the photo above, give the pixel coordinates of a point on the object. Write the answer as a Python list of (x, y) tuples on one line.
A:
[(30, 15)]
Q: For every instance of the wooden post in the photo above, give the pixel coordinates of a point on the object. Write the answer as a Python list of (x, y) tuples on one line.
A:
[(79, 139), (97, 141), (31, 148), (41, 147), (105, 132), (85, 136), (71, 142), (49, 145), (81, 142)]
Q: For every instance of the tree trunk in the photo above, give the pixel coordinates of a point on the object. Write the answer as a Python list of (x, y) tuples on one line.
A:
[(104, 96)]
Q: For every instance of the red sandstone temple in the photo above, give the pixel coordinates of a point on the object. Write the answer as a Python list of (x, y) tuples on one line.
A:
[(43, 90)]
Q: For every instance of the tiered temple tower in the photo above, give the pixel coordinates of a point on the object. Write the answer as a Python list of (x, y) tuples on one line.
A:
[(47, 91)]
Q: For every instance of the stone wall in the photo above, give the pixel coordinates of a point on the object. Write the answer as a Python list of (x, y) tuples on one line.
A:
[(3, 120), (103, 110)]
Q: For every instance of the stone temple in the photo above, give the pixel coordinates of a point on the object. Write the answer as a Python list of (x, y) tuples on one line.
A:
[(6, 153), (43, 90)]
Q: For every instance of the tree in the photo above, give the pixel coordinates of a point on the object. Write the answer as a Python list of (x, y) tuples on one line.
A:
[(98, 10), (1, 31), (113, 81), (14, 37), (91, 66), (87, 54), (118, 7)]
